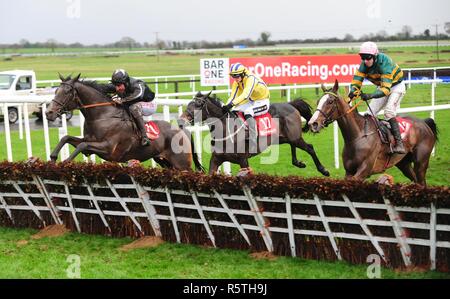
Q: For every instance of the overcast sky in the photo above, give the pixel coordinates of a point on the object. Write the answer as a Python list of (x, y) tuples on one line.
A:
[(105, 21)]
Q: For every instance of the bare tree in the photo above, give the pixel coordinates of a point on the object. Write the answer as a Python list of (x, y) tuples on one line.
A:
[(265, 37), (348, 37), (51, 43), (127, 42), (382, 34), (447, 27), (406, 31)]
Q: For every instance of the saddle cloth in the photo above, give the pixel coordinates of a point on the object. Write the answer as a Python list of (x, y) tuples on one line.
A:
[(264, 122), (152, 130)]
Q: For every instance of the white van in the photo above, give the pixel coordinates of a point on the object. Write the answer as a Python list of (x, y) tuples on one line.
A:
[(19, 82)]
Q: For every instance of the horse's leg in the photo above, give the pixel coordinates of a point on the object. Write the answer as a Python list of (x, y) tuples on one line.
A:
[(91, 148), (421, 157), (406, 168), (296, 162), (364, 170), (214, 164), (300, 143), (162, 162), (74, 141)]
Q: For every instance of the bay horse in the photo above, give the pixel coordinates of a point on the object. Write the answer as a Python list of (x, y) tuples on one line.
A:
[(208, 108), (364, 153), (110, 132)]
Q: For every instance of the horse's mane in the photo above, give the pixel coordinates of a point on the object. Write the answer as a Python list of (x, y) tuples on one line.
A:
[(215, 100), (99, 87)]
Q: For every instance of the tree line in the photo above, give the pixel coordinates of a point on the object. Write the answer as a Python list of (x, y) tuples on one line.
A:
[(264, 39)]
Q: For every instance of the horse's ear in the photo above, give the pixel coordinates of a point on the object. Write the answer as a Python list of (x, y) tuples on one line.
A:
[(77, 77), (199, 94), (336, 86), (323, 87), (61, 77)]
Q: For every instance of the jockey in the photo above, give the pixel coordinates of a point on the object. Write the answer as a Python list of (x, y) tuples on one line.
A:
[(387, 75), (250, 95), (131, 92)]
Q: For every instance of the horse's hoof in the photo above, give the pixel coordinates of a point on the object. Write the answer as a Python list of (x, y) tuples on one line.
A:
[(323, 171), (133, 162), (299, 164), (32, 160), (385, 179), (244, 172)]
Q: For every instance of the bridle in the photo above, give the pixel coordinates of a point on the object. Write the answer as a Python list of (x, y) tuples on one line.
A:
[(327, 116), (202, 104), (74, 95)]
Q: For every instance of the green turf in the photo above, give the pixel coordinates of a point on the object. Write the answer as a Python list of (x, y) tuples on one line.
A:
[(101, 258)]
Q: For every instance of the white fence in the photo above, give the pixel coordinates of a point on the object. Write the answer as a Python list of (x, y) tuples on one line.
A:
[(167, 100), (38, 197), (155, 79)]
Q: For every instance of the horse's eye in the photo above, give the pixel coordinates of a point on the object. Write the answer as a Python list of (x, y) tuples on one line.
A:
[(330, 101)]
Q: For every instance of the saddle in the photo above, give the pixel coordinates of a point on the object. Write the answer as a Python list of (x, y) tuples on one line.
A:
[(384, 131)]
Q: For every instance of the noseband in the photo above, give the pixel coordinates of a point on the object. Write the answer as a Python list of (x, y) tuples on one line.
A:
[(327, 116), (328, 119), (74, 95)]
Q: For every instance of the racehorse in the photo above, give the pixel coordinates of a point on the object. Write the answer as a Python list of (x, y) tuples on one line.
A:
[(110, 132), (206, 107), (364, 152)]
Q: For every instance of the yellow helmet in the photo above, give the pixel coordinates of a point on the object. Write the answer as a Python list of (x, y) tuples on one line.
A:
[(237, 69)]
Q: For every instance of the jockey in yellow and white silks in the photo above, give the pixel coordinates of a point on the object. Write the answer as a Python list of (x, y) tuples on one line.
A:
[(250, 95)]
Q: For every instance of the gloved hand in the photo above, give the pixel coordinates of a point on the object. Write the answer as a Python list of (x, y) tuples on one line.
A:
[(366, 97), (116, 99), (351, 94), (227, 108)]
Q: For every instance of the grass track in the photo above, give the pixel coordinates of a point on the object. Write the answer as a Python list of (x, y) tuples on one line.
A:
[(100, 258)]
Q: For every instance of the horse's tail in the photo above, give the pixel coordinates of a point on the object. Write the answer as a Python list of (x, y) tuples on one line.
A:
[(430, 122), (305, 111)]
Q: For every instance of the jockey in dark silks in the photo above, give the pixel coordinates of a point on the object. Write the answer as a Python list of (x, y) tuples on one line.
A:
[(130, 92)]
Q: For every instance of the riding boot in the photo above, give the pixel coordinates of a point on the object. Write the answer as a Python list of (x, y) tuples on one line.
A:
[(398, 148), (137, 115), (252, 134)]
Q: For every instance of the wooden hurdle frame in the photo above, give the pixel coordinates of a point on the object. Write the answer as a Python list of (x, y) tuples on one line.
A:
[(45, 192)]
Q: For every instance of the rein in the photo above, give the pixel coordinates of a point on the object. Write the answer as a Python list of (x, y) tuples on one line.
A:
[(97, 105), (204, 104), (328, 116)]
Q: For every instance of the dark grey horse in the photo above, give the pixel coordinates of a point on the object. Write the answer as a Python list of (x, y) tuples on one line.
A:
[(110, 132), (208, 108)]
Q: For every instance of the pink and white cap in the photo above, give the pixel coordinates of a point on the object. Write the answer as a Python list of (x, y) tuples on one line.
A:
[(368, 48)]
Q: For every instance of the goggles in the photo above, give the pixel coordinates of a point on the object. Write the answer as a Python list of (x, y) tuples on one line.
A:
[(366, 56)]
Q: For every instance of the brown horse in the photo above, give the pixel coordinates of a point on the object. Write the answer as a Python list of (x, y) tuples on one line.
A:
[(227, 139), (364, 154), (110, 132)]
